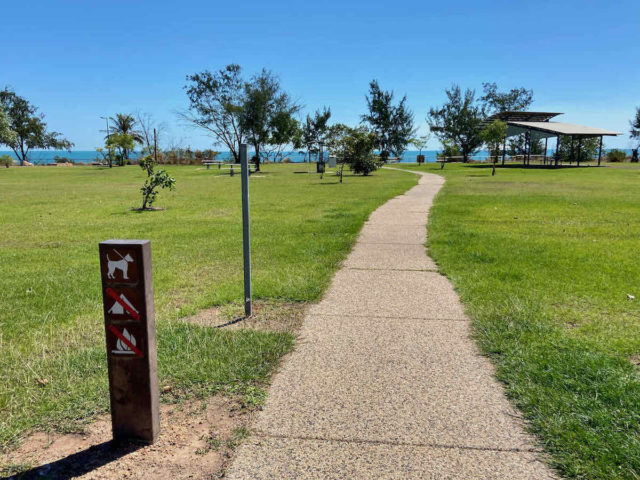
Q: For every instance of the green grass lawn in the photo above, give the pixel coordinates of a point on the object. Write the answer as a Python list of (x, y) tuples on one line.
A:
[(51, 325), (543, 261)]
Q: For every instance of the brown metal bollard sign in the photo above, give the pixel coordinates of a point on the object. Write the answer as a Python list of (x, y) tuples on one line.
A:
[(127, 293)]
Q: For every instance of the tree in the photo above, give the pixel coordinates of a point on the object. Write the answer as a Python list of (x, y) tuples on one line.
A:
[(156, 179), (27, 129), (7, 135), (315, 130), (150, 132), (518, 145), (216, 104), (421, 142), (635, 135), (458, 121), (353, 147), (515, 100), (6, 160), (124, 124), (267, 114), (392, 124), (588, 149), (493, 136)]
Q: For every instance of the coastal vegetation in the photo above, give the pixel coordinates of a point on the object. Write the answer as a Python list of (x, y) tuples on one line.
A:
[(391, 125), (22, 128), (543, 261)]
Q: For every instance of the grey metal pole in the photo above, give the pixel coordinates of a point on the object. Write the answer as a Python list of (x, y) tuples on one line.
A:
[(246, 237)]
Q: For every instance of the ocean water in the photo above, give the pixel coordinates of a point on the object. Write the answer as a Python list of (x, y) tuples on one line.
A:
[(42, 157)]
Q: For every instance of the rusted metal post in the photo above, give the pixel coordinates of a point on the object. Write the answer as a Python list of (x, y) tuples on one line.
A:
[(127, 293)]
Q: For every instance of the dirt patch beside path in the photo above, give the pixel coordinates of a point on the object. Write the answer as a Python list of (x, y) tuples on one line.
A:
[(267, 315), (196, 441)]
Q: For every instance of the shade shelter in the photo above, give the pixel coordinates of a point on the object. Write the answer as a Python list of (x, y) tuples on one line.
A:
[(537, 125)]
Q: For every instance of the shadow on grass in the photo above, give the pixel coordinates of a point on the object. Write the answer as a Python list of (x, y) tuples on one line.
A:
[(80, 463)]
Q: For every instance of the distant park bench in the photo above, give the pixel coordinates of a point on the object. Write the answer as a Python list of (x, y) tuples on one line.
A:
[(232, 167)]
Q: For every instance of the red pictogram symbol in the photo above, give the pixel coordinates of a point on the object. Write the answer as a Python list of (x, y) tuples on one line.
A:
[(109, 291), (125, 340)]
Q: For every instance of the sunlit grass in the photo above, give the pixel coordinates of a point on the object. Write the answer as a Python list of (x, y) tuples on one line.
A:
[(52, 354), (544, 261)]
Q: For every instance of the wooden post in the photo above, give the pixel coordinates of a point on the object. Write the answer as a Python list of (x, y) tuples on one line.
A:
[(600, 151), (504, 149), (546, 143), (127, 294), (557, 150)]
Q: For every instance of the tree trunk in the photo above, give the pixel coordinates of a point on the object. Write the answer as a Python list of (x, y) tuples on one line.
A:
[(257, 157), (22, 157)]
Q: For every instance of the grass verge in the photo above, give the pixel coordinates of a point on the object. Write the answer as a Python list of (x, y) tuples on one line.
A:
[(543, 261), (52, 355)]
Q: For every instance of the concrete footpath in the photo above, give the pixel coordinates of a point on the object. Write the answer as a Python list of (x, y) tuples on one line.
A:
[(385, 382)]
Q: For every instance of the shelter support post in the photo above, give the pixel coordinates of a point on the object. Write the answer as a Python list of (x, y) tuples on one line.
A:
[(546, 140), (504, 149), (600, 151), (571, 157), (579, 149), (557, 150)]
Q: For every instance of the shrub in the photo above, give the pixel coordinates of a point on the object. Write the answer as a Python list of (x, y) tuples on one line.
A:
[(6, 160), (156, 179), (58, 159), (615, 155)]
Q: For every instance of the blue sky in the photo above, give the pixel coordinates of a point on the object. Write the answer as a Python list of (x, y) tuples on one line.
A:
[(78, 61)]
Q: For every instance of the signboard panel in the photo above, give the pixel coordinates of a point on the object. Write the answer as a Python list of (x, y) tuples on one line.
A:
[(127, 292)]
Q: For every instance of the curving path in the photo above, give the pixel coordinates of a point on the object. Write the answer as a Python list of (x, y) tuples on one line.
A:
[(385, 381)]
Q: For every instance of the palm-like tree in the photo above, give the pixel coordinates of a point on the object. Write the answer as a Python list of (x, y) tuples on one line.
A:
[(124, 124)]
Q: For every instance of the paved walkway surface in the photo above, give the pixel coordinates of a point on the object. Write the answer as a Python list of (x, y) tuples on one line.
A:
[(385, 381)]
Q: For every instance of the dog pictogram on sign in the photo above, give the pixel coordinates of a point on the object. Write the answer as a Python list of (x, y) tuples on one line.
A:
[(120, 265)]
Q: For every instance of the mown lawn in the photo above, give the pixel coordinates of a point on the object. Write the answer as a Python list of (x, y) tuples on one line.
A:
[(544, 261), (52, 354)]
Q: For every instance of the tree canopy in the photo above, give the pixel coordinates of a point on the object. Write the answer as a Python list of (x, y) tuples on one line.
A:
[(235, 111), (216, 103), (458, 122), (26, 127), (7, 135), (391, 124), (123, 125), (493, 136), (315, 129), (267, 114), (515, 100), (353, 147), (634, 133)]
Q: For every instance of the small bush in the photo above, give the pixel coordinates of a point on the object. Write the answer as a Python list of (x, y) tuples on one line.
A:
[(614, 155), (6, 160), (58, 159)]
